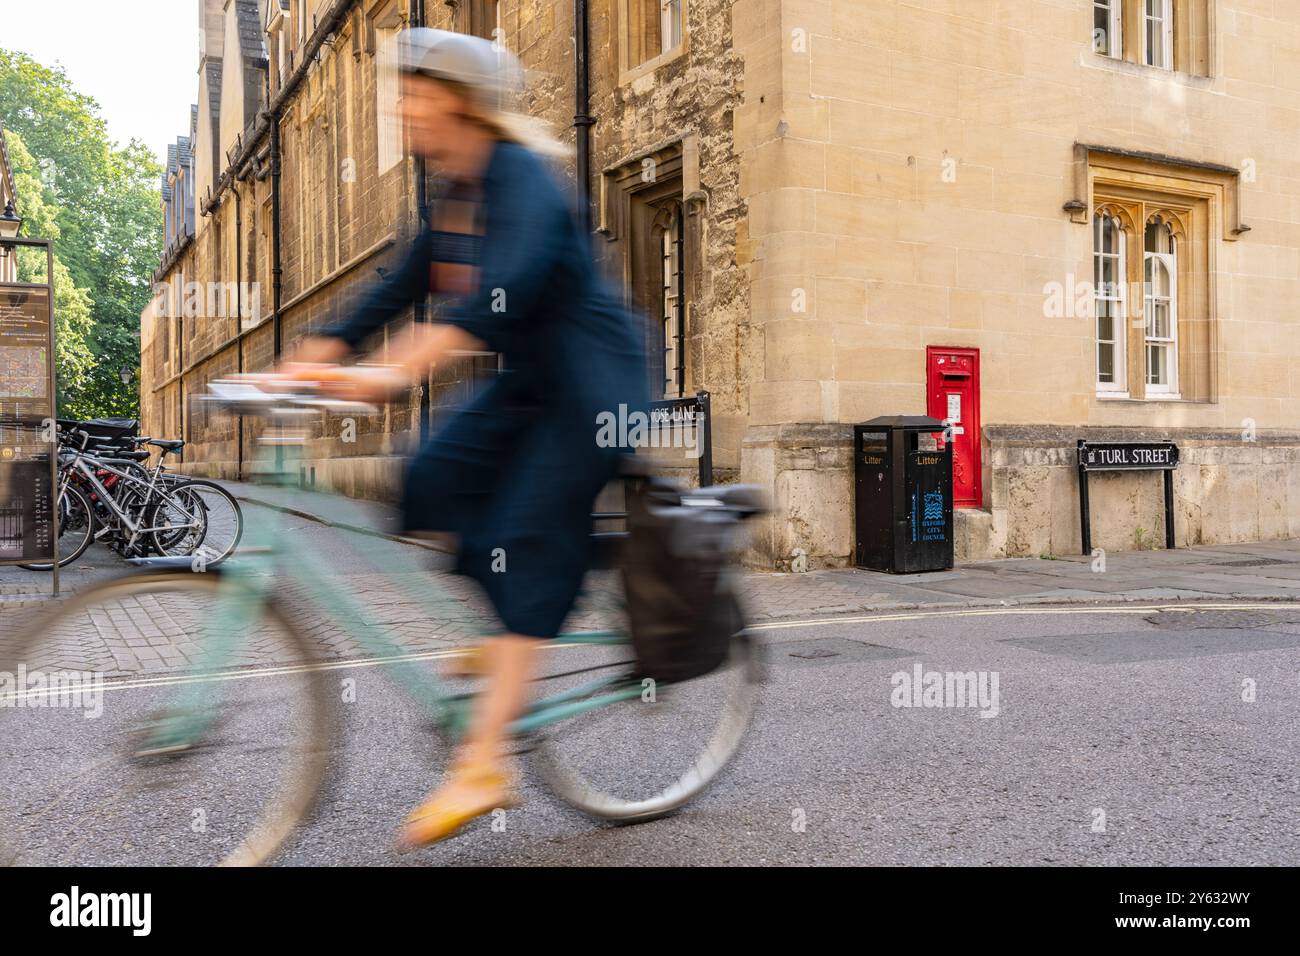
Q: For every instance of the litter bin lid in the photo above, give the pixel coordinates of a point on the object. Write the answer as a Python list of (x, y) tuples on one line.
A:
[(922, 423)]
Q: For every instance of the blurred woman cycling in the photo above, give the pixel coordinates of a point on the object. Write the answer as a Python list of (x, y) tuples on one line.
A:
[(513, 476)]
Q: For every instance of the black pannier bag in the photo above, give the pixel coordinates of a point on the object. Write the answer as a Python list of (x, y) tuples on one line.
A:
[(682, 605)]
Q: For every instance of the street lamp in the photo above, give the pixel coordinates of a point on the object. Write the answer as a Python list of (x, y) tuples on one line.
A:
[(126, 374), (10, 223)]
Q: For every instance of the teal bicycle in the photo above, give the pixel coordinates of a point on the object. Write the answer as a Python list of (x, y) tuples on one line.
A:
[(232, 691)]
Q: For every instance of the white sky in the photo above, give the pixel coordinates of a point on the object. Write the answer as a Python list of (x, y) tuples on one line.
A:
[(138, 58)]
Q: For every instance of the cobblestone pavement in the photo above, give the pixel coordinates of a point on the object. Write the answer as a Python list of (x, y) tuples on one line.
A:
[(145, 634)]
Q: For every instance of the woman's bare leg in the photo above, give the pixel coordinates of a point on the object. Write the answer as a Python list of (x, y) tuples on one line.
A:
[(480, 779), (507, 667)]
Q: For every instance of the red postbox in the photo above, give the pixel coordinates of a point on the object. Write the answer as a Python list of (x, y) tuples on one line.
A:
[(952, 387)]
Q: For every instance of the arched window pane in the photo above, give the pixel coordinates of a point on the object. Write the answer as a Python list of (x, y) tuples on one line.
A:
[(1159, 237), (1160, 306), (1108, 300)]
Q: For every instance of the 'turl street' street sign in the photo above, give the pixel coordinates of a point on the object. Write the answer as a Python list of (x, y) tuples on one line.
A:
[(1127, 456)]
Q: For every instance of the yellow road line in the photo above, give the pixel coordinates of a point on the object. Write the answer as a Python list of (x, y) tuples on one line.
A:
[(349, 664), (287, 670), (1021, 609)]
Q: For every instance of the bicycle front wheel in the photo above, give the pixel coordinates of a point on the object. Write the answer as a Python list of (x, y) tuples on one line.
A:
[(197, 517), (161, 719)]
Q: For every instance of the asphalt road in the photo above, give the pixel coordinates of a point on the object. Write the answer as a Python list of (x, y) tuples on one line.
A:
[(1122, 736)]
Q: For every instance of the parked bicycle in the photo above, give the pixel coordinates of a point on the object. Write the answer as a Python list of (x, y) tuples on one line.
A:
[(110, 492)]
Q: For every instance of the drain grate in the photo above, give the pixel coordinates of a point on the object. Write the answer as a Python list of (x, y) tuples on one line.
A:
[(1192, 618), (1253, 563), (840, 650)]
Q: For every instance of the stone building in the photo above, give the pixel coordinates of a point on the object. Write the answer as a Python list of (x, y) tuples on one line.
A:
[(1044, 220), (1095, 204), (300, 189)]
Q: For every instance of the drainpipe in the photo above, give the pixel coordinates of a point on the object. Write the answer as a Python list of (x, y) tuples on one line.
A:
[(239, 320), (582, 120), (277, 269), (422, 307), (421, 187)]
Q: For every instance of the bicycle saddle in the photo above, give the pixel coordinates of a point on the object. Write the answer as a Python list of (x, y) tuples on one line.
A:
[(119, 455)]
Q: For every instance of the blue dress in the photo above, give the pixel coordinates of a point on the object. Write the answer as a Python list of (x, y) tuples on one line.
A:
[(515, 473)]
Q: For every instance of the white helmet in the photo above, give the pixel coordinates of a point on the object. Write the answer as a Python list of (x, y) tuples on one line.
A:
[(491, 74)]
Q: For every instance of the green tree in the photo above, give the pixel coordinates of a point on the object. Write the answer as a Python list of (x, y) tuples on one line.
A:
[(130, 246), (74, 361), (62, 130), (106, 208)]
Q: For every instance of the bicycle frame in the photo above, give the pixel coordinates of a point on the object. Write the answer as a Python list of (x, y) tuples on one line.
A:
[(87, 472), (244, 591)]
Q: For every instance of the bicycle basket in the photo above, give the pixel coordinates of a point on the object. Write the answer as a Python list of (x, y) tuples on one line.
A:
[(682, 606)]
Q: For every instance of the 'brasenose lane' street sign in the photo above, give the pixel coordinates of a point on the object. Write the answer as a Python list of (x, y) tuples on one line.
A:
[(1127, 456)]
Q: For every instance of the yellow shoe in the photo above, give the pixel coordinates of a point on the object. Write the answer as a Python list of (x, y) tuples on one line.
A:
[(472, 791), (468, 662)]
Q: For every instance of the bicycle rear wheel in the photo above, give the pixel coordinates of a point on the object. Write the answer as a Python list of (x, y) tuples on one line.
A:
[(651, 753), (191, 759)]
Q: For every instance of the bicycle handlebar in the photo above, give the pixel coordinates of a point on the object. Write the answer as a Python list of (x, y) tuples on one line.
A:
[(297, 398)]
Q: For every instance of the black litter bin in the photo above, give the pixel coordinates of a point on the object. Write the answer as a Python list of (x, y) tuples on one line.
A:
[(902, 470)]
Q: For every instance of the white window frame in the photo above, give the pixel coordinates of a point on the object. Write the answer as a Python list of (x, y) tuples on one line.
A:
[(670, 251), (1114, 31), (1166, 20), (277, 32), (631, 14), (1167, 391), (1119, 325), (671, 27), (390, 148)]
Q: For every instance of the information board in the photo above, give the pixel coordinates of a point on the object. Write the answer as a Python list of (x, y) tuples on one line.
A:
[(26, 413), (25, 354)]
